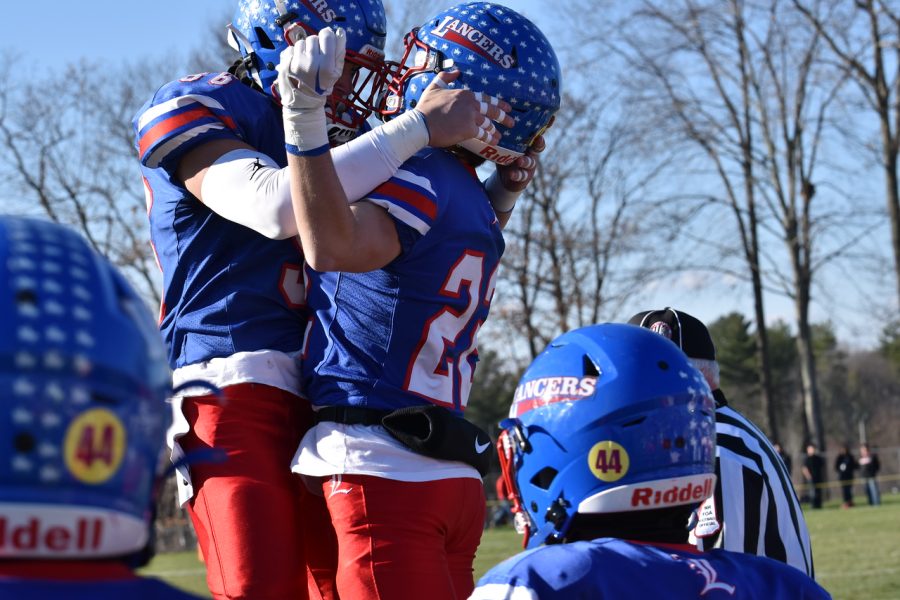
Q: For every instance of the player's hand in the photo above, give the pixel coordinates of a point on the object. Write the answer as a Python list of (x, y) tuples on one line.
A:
[(309, 69), (516, 176), (508, 182), (307, 73), (456, 115)]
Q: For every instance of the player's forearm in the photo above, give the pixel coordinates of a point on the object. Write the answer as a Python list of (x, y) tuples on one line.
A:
[(324, 222), (502, 200), (373, 158)]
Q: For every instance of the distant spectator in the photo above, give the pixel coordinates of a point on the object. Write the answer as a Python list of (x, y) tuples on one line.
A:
[(785, 457), (814, 474), (869, 466), (845, 465)]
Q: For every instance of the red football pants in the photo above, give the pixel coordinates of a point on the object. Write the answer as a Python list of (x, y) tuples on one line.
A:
[(399, 540), (254, 519)]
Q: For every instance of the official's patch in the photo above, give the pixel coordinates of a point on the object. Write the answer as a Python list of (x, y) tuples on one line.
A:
[(707, 523), (94, 446), (608, 461)]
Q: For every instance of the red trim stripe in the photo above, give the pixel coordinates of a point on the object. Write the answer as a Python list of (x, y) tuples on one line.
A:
[(524, 406), (417, 200), (167, 126)]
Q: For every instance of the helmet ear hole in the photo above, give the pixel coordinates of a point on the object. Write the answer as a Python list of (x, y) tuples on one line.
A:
[(263, 38), (544, 478)]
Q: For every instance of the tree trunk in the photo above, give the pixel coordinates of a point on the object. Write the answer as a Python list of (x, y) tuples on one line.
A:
[(892, 194)]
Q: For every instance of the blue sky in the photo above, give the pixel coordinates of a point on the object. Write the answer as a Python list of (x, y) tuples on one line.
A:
[(54, 33), (117, 31), (59, 31)]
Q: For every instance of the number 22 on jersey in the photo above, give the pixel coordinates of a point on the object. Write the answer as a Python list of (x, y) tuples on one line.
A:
[(443, 364)]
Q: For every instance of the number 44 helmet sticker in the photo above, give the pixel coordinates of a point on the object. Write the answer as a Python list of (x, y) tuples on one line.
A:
[(608, 461), (94, 446)]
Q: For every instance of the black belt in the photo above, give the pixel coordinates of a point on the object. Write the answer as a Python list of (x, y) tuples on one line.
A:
[(351, 415), (428, 430)]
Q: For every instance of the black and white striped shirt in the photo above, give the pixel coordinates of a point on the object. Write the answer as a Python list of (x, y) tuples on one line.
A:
[(756, 508)]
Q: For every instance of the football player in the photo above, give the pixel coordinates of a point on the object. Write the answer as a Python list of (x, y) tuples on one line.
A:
[(400, 284), (211, 149), (609, 449), (84, 381)]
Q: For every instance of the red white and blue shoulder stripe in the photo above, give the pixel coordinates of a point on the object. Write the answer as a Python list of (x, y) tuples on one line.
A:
[(167, 126), (184, 112), (409, 198)]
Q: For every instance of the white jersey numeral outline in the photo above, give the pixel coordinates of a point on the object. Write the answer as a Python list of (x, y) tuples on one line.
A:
[(433, 374)]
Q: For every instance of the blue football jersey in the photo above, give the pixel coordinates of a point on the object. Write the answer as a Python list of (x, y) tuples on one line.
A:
[(613, 568), (226, 288), (132, 589), (406, 334)]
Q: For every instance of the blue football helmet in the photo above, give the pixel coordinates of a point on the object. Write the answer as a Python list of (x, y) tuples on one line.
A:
[(609, 418), (84, 381), (499, 52), (261, 29)]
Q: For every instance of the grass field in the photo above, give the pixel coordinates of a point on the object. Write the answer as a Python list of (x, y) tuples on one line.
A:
[(856, 552)]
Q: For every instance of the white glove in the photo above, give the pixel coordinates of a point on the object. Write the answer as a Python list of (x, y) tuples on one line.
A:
[(306, 75)]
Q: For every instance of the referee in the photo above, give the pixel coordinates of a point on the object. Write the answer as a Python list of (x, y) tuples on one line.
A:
[(755, 508)]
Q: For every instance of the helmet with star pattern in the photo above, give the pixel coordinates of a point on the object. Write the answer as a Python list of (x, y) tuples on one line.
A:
[(498, 52)]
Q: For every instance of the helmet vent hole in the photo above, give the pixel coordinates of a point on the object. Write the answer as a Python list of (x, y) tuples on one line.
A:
[(26, 297), (679, 442), (514, 52), (543, 478), (263, 38), (103, 399), (634, 422), (554, 84), (663, 365), (24, 442), (534, 506), (590, 369)]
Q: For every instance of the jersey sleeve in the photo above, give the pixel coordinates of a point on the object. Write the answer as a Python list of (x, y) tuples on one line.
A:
[(409, 198), (182, 115)]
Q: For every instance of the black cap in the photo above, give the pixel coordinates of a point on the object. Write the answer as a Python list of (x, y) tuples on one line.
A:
[(688, 333)]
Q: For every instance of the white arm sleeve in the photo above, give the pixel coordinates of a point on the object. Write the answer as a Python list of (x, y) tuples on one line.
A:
[(247, 187), (371, 159)]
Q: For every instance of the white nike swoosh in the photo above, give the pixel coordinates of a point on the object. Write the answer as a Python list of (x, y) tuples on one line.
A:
[(479, 448)]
